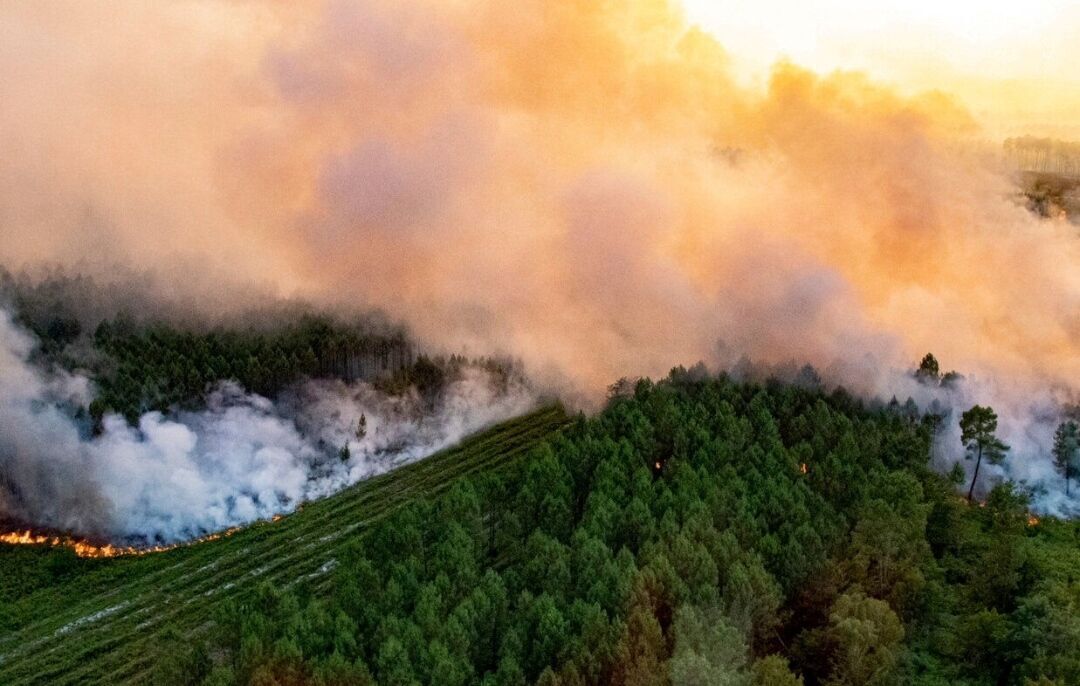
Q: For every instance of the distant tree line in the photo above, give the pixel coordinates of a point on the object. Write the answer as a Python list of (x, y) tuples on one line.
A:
[(161, 368), (1045, 155)]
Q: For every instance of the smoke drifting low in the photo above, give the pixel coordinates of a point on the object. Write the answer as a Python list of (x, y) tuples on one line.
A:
[(242, 459), (582, 184), (1027, 418)]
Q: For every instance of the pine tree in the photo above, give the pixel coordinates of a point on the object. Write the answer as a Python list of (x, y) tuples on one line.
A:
[(1066, 449), (977, 427), (929, 371)]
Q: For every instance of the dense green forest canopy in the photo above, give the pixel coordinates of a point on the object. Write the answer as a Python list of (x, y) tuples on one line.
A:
[(173, 361), (697, 531), (158, 367)]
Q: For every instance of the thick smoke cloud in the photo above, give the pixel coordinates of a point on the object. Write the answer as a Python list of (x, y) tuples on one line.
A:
[(582, 184), (242, 459)]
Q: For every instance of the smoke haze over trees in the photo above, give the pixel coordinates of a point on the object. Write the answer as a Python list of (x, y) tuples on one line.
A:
[(202, 453), (698, 531), (618, 207), (577, 211), (252, 253)]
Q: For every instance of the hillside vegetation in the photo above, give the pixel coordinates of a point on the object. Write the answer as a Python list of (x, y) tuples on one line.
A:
[(696, 532), (68, 620)]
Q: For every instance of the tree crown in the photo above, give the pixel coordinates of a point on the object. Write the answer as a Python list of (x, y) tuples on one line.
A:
[(977, 427)]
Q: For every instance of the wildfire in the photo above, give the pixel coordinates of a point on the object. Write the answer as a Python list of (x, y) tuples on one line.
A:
[(81, 548), (1033, 520), (84, 548), (658, 466), (802, 468)]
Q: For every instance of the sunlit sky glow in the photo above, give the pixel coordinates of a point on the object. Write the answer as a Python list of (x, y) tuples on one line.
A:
[(1015, 64)]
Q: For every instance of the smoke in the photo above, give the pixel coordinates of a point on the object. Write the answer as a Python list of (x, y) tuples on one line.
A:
[(585, 185), (1027, 419), (242, 459)]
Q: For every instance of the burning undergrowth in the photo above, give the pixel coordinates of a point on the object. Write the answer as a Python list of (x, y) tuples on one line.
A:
[(96, 547)]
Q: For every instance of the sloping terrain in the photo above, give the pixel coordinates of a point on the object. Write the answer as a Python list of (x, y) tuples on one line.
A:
[(102, 626), (696, 531)]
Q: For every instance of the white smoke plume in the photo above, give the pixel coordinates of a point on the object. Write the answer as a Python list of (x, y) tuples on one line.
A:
[(242, 459)]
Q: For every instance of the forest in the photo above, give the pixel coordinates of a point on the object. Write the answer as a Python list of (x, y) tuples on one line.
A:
[(161, 368), (158, 367), (309, 312), (1044, 155), (698, 530), (170, 359)]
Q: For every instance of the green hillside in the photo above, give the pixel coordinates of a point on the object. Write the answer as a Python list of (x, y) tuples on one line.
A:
[(697, 532), (103, 621)]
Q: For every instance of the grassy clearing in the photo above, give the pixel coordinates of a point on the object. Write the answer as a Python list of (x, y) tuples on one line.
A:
[(102, 623)]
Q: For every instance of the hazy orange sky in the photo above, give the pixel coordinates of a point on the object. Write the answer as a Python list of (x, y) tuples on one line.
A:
[(1014, 64)]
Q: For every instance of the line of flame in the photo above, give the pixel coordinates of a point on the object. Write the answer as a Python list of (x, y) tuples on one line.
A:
[(84, 548)]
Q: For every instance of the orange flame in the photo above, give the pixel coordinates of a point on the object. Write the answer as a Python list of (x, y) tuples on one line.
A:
[(802, 468), (81, 548), (1032, 520), (84, 548)]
